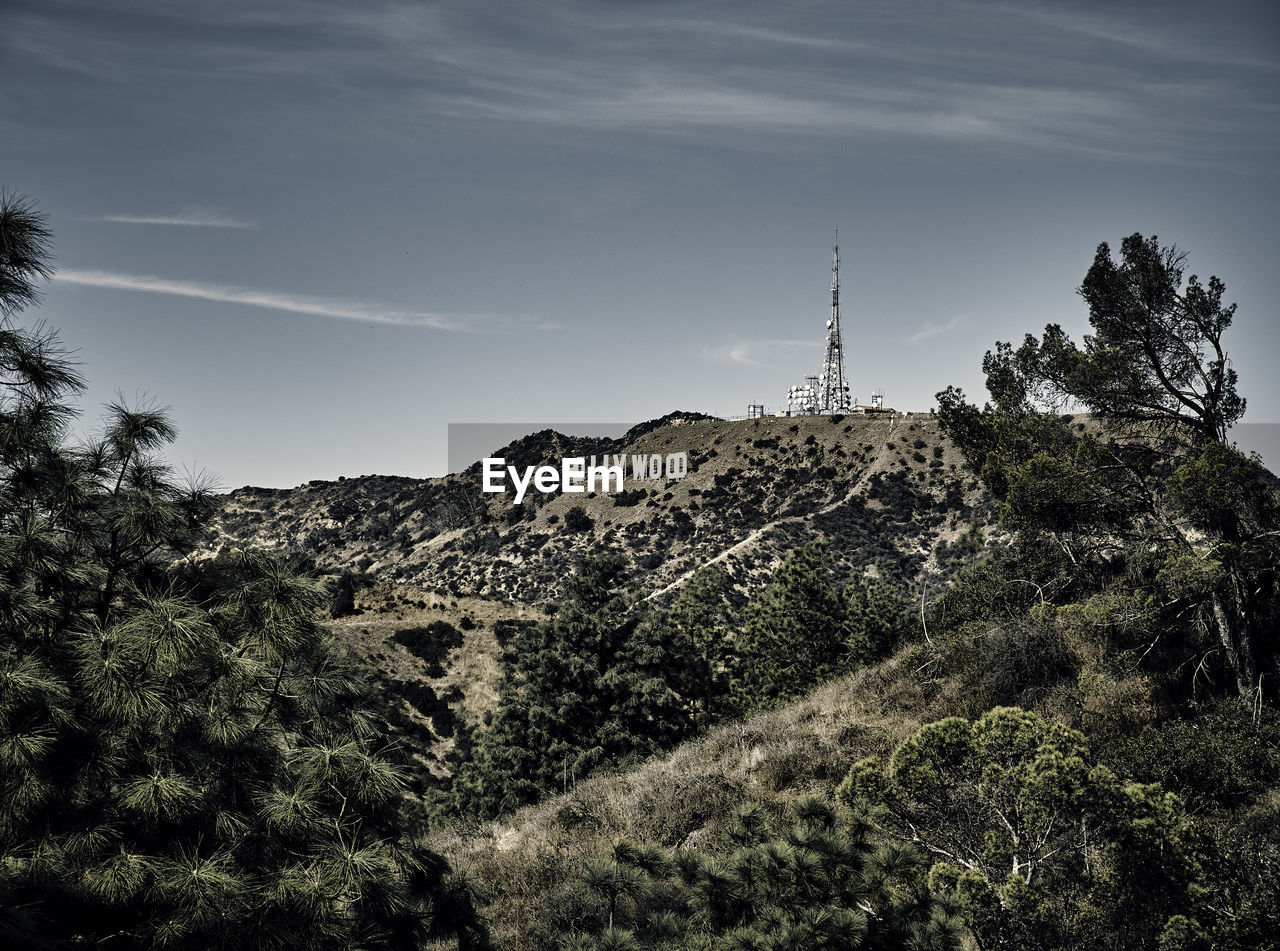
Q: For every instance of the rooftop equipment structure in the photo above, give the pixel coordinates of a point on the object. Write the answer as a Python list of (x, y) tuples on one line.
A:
[(803, 400)]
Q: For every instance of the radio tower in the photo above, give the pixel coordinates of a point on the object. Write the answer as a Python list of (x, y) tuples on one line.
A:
[(833, 389)]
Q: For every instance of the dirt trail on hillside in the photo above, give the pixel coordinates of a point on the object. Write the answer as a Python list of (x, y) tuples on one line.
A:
[(877, 465)]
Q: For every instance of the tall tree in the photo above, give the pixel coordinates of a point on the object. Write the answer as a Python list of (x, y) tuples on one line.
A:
[(185, 758), (599, 684), (793, 632), (1138, 488), (807, 626), (1156, 356)]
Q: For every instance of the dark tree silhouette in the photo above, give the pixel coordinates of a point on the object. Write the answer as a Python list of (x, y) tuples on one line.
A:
[(185, 758)]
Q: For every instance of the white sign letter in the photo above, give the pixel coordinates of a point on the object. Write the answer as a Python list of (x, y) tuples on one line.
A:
[(605, 474)]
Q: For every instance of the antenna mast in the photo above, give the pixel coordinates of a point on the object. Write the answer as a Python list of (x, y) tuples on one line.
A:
[(833, 395)]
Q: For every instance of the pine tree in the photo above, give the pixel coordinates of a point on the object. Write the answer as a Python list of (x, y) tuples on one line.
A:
[(807, 627), (602, 683), (814, 881), (26, 249), (791, 633), (875, 617), (1147, 488), (185, 759)]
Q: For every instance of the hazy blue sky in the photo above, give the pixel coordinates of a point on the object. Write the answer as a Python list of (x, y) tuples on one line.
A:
[(322, 231)]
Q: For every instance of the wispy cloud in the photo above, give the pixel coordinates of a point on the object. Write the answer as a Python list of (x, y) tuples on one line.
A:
[(970, 76), (932, 328), (188, 219), (985, 74), (1209, 43), (334, 308), (760, 353)]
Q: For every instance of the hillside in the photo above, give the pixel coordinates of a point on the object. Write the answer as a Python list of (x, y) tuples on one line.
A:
[(437, 666), (1172, 783), (888, 492), (441, 564), (1218, 761), (530, 862)]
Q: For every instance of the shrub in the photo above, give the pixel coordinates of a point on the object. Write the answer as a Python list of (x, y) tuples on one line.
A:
[(577, 520), (1038, 844), (813, 880)]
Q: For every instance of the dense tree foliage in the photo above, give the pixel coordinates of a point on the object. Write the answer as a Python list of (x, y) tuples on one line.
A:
[(185, 759), (805, 628), (1039, 844), (599, 684), (1156, 356), (610, 679), (703, 615), (1149, 489), (814, 881), (26, 252)]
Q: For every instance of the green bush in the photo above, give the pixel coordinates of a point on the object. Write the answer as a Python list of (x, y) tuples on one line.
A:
[(577, 520), (1038, 843), (812, 881)]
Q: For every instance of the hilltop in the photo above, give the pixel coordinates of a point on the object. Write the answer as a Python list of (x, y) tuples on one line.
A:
[(446, 575), (888, 493)]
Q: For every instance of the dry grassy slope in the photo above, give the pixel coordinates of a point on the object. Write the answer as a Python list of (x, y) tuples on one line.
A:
[(467, 682), (530, 861), (878, 488)]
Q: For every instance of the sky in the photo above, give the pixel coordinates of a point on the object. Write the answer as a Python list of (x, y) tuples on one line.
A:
[(320, 232)]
